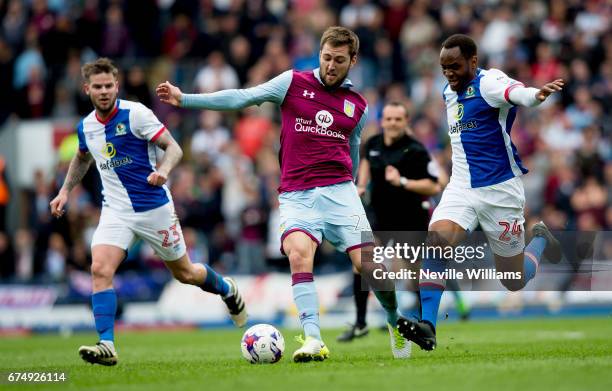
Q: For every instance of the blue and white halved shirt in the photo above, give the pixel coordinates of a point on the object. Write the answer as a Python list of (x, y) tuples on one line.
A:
[(125, 154), (479, 122)]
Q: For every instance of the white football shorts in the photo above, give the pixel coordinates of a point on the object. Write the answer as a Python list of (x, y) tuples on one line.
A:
[(499, 209), (159, 227)]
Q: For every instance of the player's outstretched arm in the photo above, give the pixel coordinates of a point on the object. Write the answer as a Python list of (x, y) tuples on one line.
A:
[(530, 96), (169, 93), (76, 171), (549, 88), (235, 99), (172, 156), (499, 90)]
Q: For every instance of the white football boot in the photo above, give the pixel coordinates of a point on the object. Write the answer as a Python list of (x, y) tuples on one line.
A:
[(235, 304), (100, 353), (312, 349), (400, 346)]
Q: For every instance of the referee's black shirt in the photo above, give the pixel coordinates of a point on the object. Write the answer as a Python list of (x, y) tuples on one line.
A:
[(395, 208)]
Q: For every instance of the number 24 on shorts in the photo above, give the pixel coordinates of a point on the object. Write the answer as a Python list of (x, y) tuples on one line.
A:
[(516, 230), (176, 234)]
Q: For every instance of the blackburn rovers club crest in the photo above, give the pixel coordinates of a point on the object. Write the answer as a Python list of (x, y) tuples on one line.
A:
[(470, 92), (349, 108), (120, 129)]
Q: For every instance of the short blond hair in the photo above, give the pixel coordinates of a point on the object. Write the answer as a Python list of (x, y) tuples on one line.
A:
[(339, 36), (101, 65)]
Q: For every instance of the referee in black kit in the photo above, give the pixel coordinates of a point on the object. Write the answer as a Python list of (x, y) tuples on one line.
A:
[(401, 172), (402, 176)]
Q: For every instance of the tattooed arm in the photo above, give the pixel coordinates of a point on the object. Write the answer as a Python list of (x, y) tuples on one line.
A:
[(173, 155), (76, 171)]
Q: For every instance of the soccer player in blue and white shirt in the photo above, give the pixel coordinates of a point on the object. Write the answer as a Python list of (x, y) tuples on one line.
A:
[(485, 186), (120, 137)]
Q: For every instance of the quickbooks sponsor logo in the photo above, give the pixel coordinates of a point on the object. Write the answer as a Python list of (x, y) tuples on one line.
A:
[(307, 125), (324, 118), (115, 163)]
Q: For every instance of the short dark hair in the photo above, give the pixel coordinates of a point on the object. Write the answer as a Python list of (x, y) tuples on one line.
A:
[(466, 45), (339, 36), (395, 103), (101, 65)]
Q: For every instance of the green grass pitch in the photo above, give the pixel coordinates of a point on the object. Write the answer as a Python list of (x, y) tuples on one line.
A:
[(518, 355)]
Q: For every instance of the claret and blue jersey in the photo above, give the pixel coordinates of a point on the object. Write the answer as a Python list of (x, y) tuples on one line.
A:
[(480, 118), (125, 154)]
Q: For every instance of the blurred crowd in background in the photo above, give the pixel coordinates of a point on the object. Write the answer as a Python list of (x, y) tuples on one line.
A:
[(225, 188)]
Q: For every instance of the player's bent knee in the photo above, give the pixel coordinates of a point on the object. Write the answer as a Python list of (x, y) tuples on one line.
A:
[(298, 259), (105, 261), (101, 271)]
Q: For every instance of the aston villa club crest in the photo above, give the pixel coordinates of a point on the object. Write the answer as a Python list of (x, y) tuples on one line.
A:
[(120, 129), (349, 108)]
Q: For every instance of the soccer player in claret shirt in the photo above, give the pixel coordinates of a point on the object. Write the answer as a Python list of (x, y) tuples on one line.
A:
[(485, 186), (322, 119), (120, 137)]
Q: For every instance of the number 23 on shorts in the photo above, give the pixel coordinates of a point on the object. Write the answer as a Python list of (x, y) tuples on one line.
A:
[(173, 230)]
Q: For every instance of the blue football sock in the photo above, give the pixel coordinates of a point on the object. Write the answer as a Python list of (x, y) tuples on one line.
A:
[(533, 254), (104, 305), (388, 300), (307, 303), (214, 283), (431, 291), (430, 303)]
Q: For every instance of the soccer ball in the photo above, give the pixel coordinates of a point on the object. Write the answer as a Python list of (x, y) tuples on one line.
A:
[(262, 344)]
